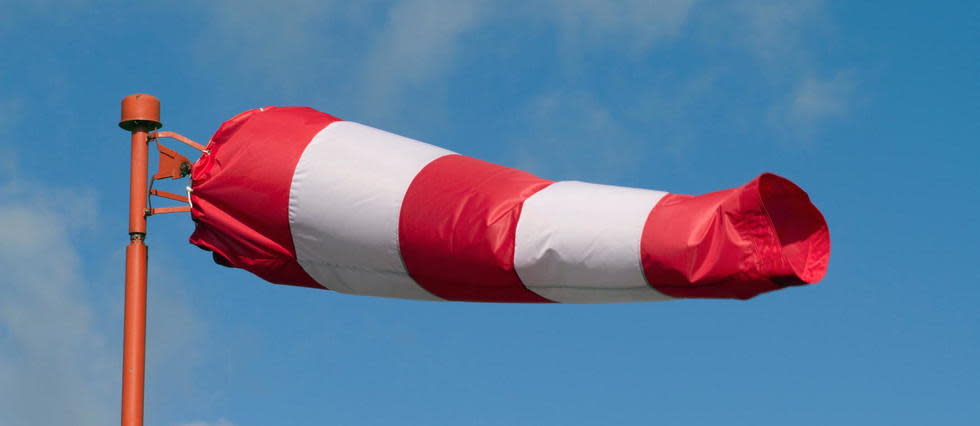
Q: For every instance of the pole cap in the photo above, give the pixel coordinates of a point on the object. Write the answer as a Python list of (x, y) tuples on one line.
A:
[(140, 110)]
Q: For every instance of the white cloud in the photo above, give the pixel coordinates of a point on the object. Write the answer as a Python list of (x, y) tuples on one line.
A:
[(773, 29), (276, 45), (784, 43), (377, 55), (814, 101), (54, 361), (287, 47), (418, 42), (257, 29), (59, 332), (636, 24), (371, 50), (570, 135), (13, 12)]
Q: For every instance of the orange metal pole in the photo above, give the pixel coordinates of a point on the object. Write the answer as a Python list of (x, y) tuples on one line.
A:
[(140, 115), (134, 335)]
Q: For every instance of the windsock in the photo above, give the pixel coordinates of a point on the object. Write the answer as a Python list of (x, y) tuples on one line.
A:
[(300, 197)]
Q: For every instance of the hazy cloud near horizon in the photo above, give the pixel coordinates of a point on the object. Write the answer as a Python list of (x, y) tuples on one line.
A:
[(54, 358), (59, 358)]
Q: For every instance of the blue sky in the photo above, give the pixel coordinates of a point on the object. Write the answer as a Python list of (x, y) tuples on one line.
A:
[(872, 107)]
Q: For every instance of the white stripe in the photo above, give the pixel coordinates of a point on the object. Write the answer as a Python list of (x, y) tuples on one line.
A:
[(344, 205), (579, 242)]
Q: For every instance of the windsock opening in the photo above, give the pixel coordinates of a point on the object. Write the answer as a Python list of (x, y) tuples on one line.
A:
[(801, 230), (735, 243)]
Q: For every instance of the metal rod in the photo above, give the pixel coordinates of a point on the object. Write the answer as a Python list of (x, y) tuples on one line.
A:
[(170, 195), (162, 210), (174, 135)]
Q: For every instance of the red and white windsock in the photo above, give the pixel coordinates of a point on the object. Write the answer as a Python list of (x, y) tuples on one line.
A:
[(300, 197)]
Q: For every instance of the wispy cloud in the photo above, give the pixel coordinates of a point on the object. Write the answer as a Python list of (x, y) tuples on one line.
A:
[(275, 45), (59, 351), (636, 24), (379, 56), (813, 102), (784, 37), (572, 136), (301, 45), (816, 99), (374, 52), (12, 12), (773, 30), (53, 358), (419, 42)]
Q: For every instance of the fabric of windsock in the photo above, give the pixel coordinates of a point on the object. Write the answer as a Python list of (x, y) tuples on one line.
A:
[(300, 197)]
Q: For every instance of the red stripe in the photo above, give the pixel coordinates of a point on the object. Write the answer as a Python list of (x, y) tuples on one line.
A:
[(457, 225), (736, 243), (241, 191)]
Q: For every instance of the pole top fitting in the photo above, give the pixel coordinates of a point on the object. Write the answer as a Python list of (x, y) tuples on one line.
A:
[(140, 111)]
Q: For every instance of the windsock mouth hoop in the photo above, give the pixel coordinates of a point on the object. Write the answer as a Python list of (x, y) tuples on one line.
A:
[(799, 227)]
